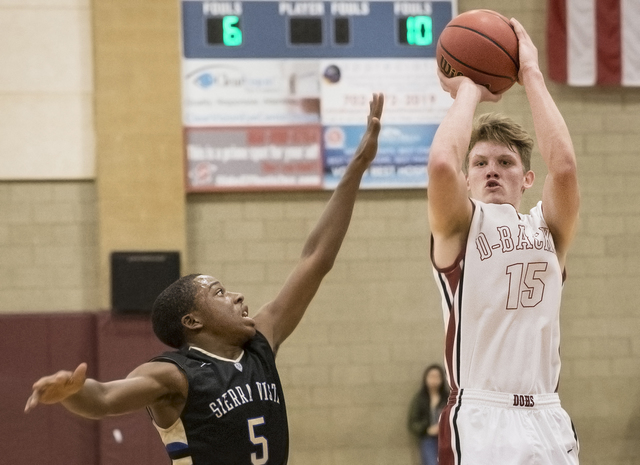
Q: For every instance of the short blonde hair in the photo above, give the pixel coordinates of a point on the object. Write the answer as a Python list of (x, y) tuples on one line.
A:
[(494, 127)]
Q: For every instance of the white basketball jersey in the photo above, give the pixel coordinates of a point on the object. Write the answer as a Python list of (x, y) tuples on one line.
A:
[(501, 303)]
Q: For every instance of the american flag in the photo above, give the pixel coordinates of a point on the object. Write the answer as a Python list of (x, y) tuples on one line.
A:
[(594, 42)]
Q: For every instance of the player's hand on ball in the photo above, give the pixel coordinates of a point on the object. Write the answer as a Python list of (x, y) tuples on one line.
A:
[(453, 84), (526, 49), (57, 387)]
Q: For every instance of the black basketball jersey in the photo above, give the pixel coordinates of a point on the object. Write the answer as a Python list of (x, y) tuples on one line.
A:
[(235, 412)]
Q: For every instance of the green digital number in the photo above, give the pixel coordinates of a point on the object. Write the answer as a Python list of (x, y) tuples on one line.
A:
[(419, 30), (231, 33)]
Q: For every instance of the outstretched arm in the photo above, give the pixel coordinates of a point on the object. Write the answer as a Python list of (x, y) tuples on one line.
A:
[(278, 318), (144, 386), (560, 194), (448, 202)]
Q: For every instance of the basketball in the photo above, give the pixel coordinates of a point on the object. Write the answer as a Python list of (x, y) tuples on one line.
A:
[(482, 45)]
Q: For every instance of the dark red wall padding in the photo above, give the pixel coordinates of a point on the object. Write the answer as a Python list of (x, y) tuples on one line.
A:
[(35, 345), (32, 346), (124, 342)]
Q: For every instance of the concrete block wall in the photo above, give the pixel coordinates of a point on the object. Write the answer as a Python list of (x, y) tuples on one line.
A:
[(352, 365), (141, 200), (48, 229), (48, 246)]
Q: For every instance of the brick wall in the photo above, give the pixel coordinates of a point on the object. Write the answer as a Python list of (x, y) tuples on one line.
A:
[(48, 233), (48, 245)]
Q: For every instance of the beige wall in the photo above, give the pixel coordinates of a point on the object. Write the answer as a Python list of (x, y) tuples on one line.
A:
[(48, 234), (46, 84), (48, 245), (141, 201), (356, 358)]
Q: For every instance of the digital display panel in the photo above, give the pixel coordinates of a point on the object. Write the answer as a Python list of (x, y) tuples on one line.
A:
[(224, 30), (276, 93), (415, 30), (305, 31), (341, 33)]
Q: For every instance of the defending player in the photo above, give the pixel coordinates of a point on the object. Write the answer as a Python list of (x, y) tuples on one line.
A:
[(501, 273), (218, 399)]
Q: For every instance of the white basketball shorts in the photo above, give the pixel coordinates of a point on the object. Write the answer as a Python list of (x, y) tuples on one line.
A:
[(495, 428)]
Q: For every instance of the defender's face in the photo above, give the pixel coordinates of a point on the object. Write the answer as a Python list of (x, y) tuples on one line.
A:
[(223, 312), (496, 174)]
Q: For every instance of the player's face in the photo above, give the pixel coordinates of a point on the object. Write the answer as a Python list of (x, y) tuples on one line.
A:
[(223, 312), (496, 174)]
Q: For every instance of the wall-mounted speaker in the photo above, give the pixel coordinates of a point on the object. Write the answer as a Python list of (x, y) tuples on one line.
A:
[(137, 278)]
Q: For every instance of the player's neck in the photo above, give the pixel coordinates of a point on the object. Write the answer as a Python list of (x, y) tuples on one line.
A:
[(515, 205), (222, 349)]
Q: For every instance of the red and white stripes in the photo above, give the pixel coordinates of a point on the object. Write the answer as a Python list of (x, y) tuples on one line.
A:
[(594, 42)]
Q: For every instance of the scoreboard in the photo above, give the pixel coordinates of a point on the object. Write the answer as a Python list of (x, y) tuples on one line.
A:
[(304, 23), (275, 93)]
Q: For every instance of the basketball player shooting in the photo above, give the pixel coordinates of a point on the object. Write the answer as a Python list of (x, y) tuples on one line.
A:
[(218, 398), (501, 273)]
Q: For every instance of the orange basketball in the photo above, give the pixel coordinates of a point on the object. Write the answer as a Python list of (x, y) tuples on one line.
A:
[(482, 45)]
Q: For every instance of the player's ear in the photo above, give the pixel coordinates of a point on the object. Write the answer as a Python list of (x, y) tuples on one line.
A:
[(190, 321), (529, 177)]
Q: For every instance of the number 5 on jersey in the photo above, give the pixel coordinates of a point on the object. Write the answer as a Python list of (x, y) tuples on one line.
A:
[(258, 441)]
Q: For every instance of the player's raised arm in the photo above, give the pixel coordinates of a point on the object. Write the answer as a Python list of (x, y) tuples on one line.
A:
[(560, 195), (278, 318), (449, 206), (89, 398)]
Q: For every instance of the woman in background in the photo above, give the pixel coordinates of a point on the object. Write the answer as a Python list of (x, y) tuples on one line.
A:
[(425, 410)]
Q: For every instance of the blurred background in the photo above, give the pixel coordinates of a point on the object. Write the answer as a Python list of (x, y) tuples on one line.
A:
[(92, 161)]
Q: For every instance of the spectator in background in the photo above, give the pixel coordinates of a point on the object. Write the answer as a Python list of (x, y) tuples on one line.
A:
[(426, 406)]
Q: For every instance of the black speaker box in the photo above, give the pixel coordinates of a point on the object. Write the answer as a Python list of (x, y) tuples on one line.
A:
[(137, 278)]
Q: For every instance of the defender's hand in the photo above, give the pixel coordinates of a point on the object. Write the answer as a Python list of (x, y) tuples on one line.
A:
[(57, 387), (368, 146)]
